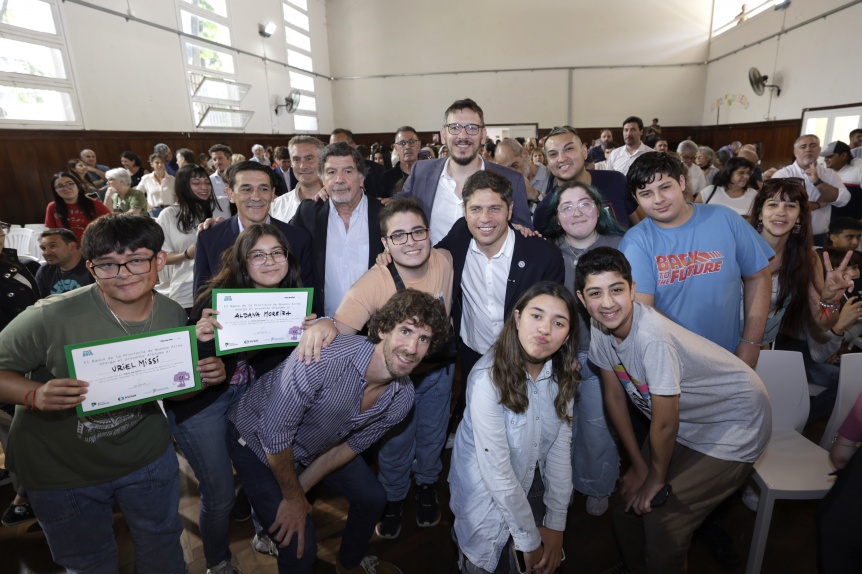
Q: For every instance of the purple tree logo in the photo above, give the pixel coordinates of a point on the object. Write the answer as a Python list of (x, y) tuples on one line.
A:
[(181, 378)]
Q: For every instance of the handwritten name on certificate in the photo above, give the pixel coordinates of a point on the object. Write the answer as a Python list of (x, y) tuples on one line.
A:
[(132, 370), (259, 318)]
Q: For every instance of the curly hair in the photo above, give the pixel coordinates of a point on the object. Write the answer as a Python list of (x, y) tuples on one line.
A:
[(413, 307), (509, 371)]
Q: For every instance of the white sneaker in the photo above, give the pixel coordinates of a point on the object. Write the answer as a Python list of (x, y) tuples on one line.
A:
[(750, 498), (597, 505), (223, 567), (264, 544)]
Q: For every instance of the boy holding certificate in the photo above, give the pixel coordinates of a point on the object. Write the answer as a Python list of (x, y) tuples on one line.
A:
[(75, 468)]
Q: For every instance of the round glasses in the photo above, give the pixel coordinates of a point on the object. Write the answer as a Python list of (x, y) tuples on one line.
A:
[(584, 206)]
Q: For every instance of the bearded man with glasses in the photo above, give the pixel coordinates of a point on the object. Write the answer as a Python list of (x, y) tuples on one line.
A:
[(438, 184)]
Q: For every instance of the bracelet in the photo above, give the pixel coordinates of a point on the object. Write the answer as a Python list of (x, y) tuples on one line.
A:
[(836, 334), (818, 182), (334, 324), (741, 340), (186, 254), (27, 401)]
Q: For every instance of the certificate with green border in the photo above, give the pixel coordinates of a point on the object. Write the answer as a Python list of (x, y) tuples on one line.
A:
[(137, 369), (259, 318)]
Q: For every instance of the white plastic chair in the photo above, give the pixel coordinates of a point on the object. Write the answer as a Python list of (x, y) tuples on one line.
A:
[(849, 387), (20, 239), (791, 467)]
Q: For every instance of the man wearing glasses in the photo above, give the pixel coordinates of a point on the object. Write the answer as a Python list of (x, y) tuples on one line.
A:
[(251, 188), (76, 468), (437, 184), (407, 146), (415, 444)]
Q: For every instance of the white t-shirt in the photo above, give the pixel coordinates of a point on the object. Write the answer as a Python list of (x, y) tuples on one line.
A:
[(724, 409), (819, 217), (716, 195)]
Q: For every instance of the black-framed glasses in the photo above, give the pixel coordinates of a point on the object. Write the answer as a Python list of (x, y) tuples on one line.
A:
[(471, 129), (67, 185), (405, 143), (111, 270), (258, 258), (400, 238)]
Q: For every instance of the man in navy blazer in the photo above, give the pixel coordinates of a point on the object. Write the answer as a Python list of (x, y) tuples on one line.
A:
[(437, 184), (250, 186), (493, 264), (353, 219)]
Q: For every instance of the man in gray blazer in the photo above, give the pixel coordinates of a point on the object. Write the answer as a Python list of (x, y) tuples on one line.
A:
[(437, 184)]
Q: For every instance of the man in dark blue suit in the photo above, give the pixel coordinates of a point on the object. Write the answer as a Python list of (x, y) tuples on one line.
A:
[(437, 184), (250, 186), (494, 265), (345, 228)]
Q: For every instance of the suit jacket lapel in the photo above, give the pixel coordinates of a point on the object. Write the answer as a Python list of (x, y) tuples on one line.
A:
[(517, 270)]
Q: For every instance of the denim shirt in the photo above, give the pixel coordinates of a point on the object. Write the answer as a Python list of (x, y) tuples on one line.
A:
[(494, 459)]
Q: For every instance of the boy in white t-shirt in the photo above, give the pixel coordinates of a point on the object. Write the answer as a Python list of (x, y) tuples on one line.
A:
[(709, 412)]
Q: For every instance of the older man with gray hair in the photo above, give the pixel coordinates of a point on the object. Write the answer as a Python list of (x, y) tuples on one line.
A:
[(258, 154), (695, 180), (304, 152), (510, 153)]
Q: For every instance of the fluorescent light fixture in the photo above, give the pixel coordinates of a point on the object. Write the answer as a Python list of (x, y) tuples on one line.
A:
[(266, 30)]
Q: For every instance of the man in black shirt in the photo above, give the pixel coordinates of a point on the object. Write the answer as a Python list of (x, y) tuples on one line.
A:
[(64, 269)]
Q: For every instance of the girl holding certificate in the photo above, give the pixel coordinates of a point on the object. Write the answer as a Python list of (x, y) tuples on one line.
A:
[(511, 474), (260, 258)]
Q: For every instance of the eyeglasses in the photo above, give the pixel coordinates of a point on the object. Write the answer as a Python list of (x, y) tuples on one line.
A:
[(258, 258), (67, 185), (111, 270), (455, 129), (584, 206), (400, 238), (405, 143)]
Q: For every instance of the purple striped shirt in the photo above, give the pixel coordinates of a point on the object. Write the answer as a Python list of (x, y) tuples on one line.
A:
[(313, 408)]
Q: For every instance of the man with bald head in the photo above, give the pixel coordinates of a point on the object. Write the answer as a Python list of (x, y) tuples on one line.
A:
[(598, 152), (95, 171), (510, 153), (749, 152)]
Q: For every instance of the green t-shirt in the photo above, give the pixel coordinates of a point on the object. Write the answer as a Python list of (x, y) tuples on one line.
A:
[(56, 450), (135, 199)]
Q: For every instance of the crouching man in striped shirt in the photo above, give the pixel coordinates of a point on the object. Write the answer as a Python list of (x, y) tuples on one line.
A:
[(303, 424)]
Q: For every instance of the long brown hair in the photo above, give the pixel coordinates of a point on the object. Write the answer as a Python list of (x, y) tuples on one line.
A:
[(797, 268), (510, 366), (234, 263)]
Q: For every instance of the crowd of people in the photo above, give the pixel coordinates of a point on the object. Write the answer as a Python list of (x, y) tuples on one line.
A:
[(597, 299)]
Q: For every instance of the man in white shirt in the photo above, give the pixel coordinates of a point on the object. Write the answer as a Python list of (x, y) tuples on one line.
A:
[(823, 185), (838, 158), (622, 157), (258, 154), (304, 159), (220, 155), (695, 180), (856, 143)]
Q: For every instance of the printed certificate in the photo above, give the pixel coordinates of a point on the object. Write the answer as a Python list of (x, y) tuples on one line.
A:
[(259, 318), (137, 369)]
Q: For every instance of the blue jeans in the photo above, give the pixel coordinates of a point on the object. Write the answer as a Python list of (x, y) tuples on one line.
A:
[(595, 462), (79, 522), (203, 440), (354, 481), (415, 443)]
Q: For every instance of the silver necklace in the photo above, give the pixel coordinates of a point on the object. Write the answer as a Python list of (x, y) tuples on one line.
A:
[(124, 324)]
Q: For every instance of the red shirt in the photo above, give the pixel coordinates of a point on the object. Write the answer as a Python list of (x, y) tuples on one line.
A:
[(77, 219)]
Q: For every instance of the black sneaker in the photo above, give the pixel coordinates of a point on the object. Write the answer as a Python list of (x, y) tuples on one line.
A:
[(16, 514), (427, 508), (389, 526)]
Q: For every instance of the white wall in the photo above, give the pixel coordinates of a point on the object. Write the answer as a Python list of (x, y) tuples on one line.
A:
[(815, 65), (130, 76), (379, 37)]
